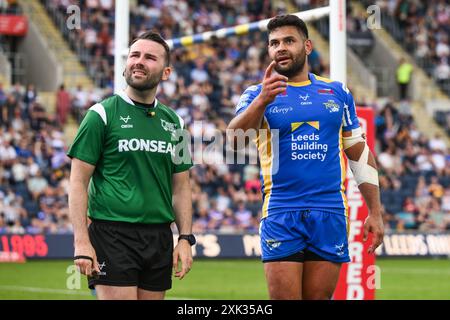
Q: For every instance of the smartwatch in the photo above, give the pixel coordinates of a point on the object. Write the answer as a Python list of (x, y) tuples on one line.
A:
[(189, 237)]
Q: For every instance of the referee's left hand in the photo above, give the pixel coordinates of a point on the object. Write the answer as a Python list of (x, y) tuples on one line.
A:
[(183, 254)]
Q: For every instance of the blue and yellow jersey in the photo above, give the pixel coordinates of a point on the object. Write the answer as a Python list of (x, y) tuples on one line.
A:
[(305, 168)]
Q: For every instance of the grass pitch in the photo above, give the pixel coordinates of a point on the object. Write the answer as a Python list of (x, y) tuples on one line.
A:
[(221, 279)]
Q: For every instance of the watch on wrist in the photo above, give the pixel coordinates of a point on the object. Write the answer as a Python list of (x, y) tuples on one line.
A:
[(189, 237)]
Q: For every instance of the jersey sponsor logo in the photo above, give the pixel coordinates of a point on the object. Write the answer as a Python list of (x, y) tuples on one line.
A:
[(339, 249), (296, 125), (125, 120), (282, 110), (331, 106), (306, 145), (326, 91), (155, 146), (304, 100), (282, 94), (100, 267), (252, 88)]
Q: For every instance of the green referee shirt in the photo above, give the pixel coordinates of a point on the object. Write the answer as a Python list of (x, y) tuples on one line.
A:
[(135, 157)]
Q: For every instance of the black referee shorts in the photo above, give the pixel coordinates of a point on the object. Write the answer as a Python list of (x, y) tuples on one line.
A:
[(132, 254)]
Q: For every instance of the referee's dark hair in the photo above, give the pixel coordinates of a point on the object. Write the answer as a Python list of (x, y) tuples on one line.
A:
[(156, 37), (288, 20)]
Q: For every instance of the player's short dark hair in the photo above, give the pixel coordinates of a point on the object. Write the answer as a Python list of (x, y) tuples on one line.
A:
[(288, 20), (156, 37)]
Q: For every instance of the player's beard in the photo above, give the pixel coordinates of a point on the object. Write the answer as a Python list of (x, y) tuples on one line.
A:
[(297, 65), (151, 82)]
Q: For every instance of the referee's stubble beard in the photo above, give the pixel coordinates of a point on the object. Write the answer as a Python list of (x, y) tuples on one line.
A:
[(149, 82)]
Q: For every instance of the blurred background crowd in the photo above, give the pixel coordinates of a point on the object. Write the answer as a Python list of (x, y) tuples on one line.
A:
[(205, 86)]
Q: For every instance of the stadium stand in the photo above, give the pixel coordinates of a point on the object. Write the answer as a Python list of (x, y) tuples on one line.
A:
[(205, 86), (422, 27)]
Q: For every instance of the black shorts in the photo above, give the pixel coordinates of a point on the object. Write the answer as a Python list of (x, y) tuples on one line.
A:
[(301, 256), (131, 254)]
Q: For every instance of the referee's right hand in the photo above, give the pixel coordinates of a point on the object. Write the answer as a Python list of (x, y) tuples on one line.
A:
[(272, 85), (85, 265)]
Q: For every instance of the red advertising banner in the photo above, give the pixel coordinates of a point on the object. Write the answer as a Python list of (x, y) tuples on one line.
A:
[(12, 25), (357, 278)]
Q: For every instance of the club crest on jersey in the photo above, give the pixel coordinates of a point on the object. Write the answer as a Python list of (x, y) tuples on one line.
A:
[(331, 106), (169, 126), (125, 120)]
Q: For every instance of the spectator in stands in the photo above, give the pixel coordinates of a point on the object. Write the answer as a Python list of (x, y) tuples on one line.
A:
[(409, 159), (244, 217), (2, 95), (390, 160), (28, 98), (437, 218), (442, 71), (404, 73), (201, 221), (408, 218), (435, 188), (10, 107), (63, 103), (37, 184)]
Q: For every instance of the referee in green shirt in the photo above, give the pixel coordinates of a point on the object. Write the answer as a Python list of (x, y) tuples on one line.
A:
[(131, 177)]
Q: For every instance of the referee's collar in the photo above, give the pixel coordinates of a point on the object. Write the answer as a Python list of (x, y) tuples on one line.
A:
[(127, 99)]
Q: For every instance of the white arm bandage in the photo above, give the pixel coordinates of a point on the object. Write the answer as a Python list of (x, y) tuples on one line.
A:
[(362, 171)]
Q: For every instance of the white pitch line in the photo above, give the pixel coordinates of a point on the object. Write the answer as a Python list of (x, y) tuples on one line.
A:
[(44, 290), (65, 291), (430, 272)]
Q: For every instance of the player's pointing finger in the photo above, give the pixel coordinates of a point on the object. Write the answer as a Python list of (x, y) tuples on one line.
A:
[(269, 69)]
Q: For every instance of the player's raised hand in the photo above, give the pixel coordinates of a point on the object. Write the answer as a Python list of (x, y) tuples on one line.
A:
[(272, 85)]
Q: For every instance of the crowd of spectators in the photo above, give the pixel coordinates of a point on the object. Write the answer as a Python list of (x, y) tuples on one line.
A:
[(9, 7), (204, 88), (423, 28), (34, 169), (414, 173), (94, 40)]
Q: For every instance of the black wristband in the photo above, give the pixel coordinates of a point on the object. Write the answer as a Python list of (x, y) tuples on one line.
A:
[(83, 257)]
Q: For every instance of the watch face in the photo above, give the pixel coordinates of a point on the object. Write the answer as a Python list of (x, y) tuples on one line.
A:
[(190, 238)]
